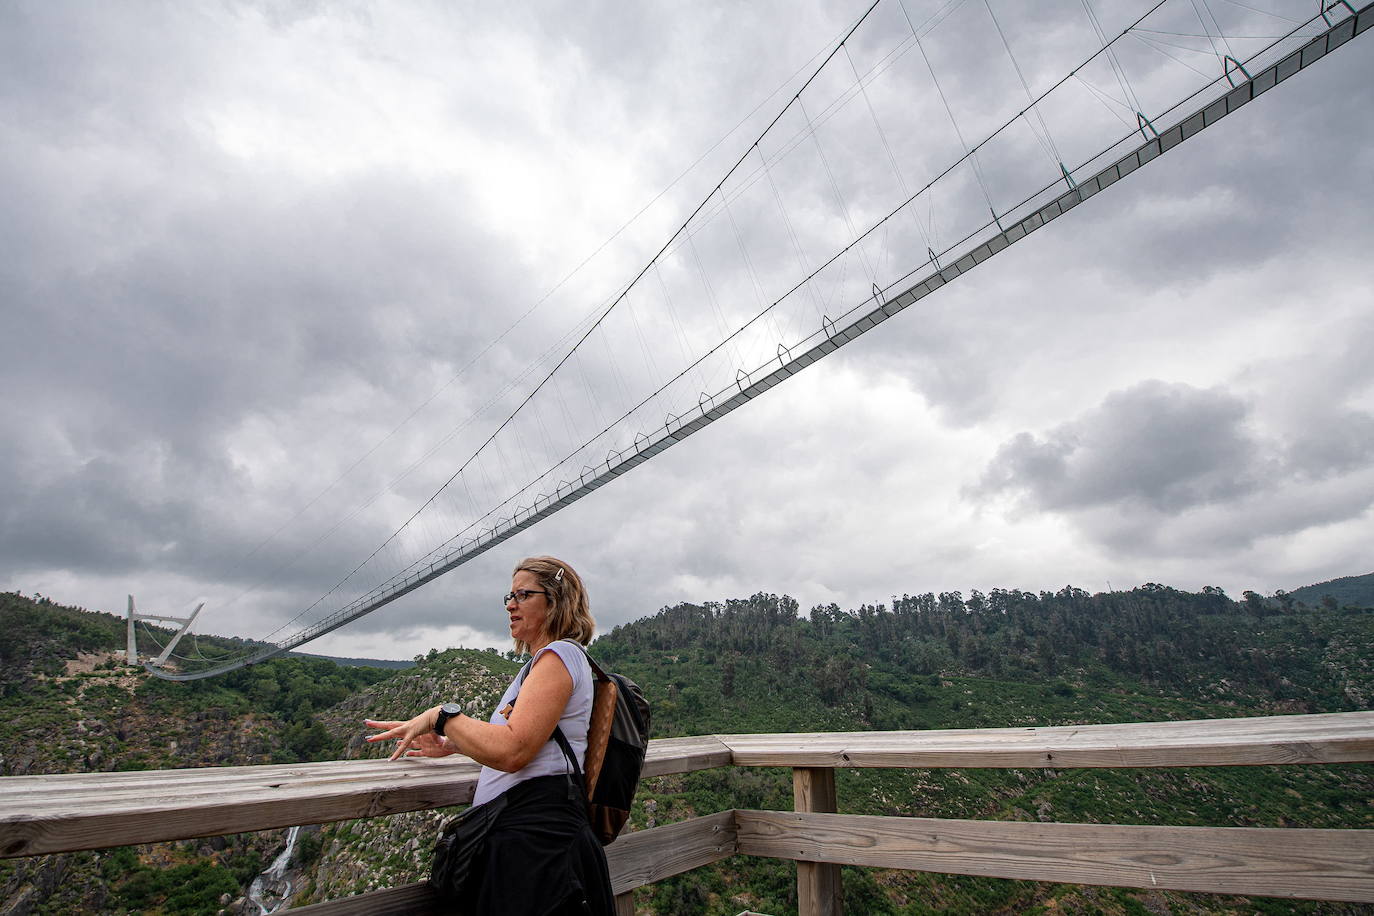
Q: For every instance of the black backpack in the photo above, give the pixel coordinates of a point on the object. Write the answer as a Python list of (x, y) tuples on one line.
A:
[(617, 739)]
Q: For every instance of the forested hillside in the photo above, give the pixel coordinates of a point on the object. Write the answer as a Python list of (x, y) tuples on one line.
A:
[(754, 665), (883, 660), (69, 703), (1347, 591), (1007, 658)]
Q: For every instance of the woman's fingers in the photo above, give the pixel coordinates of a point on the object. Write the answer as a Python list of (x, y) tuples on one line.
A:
[(409, 735), (382, 736)]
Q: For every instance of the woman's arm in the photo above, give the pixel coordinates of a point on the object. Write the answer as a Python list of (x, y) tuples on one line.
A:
[(543, 697)]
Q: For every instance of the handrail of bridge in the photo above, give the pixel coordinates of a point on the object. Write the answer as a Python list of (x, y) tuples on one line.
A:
[(60, 813)]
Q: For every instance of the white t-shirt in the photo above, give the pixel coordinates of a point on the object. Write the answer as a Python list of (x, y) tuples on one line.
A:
[(576, 718)]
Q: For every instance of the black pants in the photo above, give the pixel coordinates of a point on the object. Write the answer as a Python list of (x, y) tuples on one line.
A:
[(541, 858)]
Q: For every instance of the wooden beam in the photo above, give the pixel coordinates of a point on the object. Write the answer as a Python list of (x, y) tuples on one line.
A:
[(406, 900), (819, 888), (45, 814), (1328, 738), (42, 814), (684, 755), (646, 856), (1297, 863), (635, 859)]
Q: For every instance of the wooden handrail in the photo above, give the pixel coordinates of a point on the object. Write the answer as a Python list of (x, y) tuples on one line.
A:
[(43, 814), (1346, 737), (46, 814)]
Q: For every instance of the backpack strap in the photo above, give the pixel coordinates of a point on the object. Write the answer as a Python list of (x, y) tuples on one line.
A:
[(563, 743), (558, 735)]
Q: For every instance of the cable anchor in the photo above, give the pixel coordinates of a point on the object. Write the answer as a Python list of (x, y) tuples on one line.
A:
[(1068, 177), (1226, 63), (1328, 7), (1142, 122)]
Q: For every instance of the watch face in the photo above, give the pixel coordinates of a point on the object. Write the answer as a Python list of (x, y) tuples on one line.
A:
[(446, 712)]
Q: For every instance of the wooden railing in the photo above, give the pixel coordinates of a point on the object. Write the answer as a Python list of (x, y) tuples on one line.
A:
[(46, 814)]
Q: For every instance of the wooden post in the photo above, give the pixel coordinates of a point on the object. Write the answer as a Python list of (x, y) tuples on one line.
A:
[(625, 904), (819, 892)]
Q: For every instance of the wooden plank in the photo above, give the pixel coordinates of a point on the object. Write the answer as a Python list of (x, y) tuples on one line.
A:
[(62, 813), (819, 889), (140, 780), (124, 818), (635, 859), (646, 856), (413, 899), (672, 755), (684, 755), (1315, 864), (77, 790), (1327, 738)]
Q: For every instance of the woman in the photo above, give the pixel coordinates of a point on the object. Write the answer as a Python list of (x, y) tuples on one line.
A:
[(541, 856)]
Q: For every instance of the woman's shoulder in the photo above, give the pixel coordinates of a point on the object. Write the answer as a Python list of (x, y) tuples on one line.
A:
[(574, 657)]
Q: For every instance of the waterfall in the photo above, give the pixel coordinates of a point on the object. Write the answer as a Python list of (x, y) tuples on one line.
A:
[(272, 882)]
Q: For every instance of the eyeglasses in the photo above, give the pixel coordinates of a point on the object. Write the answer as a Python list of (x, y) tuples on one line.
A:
[(521, 595)]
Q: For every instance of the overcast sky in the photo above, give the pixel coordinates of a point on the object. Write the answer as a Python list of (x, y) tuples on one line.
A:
[(243, 242)]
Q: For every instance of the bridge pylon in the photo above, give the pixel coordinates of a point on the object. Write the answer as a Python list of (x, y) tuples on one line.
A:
[(161, 618)]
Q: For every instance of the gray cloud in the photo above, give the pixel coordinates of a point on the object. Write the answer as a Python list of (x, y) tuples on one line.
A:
[(1166, 447), (1169, 468), (242, 245)]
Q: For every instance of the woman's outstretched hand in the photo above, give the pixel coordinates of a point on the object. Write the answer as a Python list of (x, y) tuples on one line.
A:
[(414, 737)]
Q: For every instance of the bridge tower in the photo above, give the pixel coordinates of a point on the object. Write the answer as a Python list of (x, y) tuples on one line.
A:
[(161, 618)]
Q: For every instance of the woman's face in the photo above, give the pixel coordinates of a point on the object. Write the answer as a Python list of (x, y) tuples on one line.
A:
[(528, 617)]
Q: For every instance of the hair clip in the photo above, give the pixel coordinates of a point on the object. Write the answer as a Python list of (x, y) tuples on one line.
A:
[(559, 576)]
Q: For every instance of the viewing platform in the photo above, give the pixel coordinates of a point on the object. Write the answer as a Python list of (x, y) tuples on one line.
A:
[(50, 814)]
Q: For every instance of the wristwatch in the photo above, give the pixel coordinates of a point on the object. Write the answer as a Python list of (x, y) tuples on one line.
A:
[(446, 712)]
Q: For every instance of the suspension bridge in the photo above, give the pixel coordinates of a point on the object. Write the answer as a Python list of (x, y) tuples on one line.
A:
[(879, 181)]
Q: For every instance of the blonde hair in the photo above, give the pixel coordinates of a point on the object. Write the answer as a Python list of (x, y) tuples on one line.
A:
[(569, 615)]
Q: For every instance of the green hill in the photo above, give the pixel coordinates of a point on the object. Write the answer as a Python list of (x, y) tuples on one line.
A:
[(1347, 591)]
